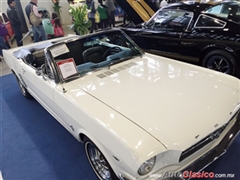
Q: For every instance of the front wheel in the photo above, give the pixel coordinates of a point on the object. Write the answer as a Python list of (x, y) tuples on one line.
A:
[(24, 91), (98, 162), (221, 61)]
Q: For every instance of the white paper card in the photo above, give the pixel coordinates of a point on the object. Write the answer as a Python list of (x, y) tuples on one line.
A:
[(67, 67), (59, 50)]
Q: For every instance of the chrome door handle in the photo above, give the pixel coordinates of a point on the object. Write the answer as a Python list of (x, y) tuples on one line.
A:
[(23, 70)]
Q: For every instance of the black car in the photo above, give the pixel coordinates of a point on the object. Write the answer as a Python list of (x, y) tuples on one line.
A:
[(203, 34)]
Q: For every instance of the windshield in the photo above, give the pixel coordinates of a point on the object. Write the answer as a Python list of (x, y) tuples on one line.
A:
[(229, 11), (91, 53)]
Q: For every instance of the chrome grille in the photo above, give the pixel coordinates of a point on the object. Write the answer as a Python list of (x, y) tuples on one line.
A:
[(188, 152), (211, 137)]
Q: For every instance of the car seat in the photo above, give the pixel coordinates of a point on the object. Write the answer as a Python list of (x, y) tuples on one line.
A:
[(93, 54)]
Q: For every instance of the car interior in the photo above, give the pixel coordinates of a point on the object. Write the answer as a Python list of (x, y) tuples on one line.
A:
[(88, 52)]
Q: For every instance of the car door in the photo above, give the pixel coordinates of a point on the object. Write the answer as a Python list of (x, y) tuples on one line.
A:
[(39, 84), (162, 34)]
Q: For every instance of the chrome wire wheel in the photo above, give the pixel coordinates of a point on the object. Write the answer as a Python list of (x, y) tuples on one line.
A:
[(22, 88), (219, 63), (98, 161)]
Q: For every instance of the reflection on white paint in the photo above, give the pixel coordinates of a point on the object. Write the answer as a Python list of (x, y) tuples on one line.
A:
[(101, 83), (171, 76), (139, 143), (190, 74), (91, 87), (112, 115), (101, 122), (79, 93), (1, 178), (150, 154), (117, 81), (155, 80)]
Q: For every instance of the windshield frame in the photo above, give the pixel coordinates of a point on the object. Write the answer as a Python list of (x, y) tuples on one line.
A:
[(86, 66)]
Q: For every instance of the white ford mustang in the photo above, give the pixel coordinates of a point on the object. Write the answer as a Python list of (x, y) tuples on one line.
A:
[(138, 115)]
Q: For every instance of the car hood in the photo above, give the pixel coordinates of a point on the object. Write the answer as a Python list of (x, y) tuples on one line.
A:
[(173, 101)]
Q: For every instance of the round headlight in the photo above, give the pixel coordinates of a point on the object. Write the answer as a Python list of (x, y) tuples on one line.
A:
[(147, 166)]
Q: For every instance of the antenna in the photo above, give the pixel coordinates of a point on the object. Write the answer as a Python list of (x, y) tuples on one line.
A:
[(63, 89)]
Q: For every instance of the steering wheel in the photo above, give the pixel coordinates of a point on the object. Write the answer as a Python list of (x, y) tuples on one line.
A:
[(112, 50)]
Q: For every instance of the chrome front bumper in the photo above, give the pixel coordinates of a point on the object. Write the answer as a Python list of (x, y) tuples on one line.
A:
[(217, 151), (210, 156)]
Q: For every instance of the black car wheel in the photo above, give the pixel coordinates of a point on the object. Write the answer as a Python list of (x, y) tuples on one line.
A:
[(221, 61), (24, 91), (98, 162)]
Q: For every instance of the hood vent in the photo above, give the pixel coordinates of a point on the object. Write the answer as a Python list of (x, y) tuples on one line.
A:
[(116, 70)]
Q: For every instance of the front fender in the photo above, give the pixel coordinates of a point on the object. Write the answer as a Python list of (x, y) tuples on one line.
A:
[(110, 131)]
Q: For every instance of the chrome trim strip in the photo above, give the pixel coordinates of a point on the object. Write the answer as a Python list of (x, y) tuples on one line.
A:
[(121, 177), (209, 27)]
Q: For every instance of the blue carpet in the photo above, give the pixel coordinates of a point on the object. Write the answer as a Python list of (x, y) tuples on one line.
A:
[(34, 146)]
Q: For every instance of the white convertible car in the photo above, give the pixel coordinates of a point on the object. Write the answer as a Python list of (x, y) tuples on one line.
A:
[(138, 115)]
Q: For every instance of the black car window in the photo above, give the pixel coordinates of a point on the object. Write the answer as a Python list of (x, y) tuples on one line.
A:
[(229, 11), (171, 19), (204, 21)]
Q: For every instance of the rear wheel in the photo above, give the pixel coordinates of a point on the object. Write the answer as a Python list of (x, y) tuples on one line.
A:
[(24, 91), (221, 61), (98, 161)]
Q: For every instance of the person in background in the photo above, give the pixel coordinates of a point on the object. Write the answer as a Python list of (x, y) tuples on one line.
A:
[(1, 53), (2, 46), (38, 31), (3, 32), (54, 16), (70, 1), (15, 21), (58, 30), (163, 3), (91, 14), (103, 13), (111, 11)]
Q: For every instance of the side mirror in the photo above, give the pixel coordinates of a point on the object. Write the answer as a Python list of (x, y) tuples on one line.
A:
[(38, 71)]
